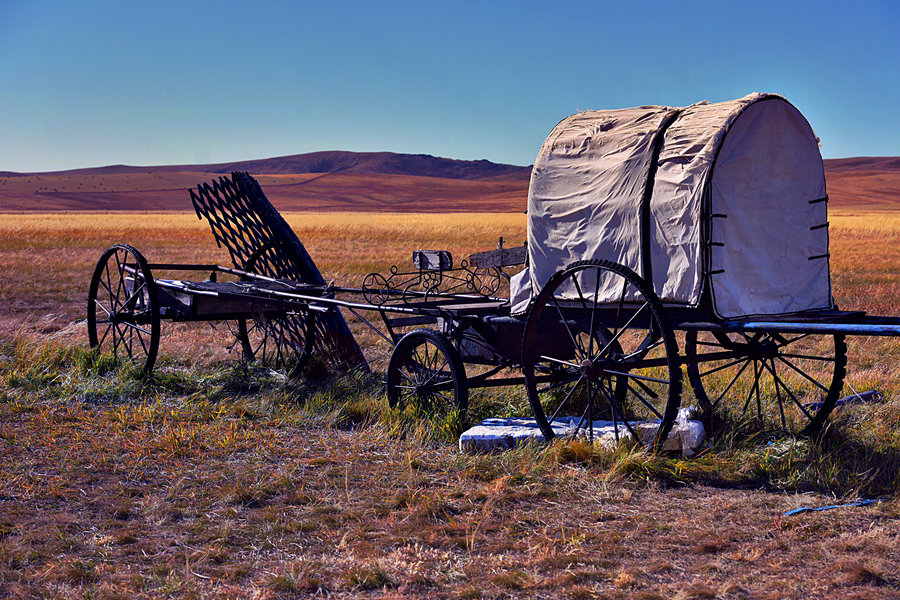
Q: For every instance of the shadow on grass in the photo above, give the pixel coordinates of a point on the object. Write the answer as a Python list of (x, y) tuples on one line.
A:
[(840, 460)]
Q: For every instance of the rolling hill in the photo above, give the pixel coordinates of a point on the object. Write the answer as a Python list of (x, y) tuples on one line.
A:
[(363, 182)]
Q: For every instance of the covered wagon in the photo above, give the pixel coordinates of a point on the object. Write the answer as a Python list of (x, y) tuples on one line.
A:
[(710, 220), (715, 205), (661, 242)]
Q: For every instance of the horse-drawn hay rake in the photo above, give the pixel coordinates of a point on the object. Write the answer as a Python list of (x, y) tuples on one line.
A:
[(648, 228)]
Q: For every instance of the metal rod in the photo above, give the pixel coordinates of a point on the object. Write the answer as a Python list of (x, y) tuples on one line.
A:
[(875, 326)]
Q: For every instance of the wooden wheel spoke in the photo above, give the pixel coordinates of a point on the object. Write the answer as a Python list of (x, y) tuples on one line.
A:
[(130, 342), (565, 400), (120, 282), (621, 304), (808, 357), (103, 308), (802, 373), (783, 341), (589, 409), (558, 361), (721, 367), (440, 381), (585, 418), (646, 388), (440, 395), (593, 314), (644, 401), (141, 340), (440, 370), (123, 341), (731, 383), (759, 410), (108, 285), (553, 386), (133, 327), (779, 381), (755, 383), (608, 393), (109, 326), (572, 337), (633, 376), (643, 351), (618, 334), (712, 344), (105, 284), (619, 414), (777, 393), (578, 289), (117, 338), (417, 358), (134, 296)]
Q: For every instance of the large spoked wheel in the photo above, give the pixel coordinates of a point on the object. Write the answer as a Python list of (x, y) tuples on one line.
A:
[(426, 372), (279, 339), (123, 308), (791, 380), (597, 345)]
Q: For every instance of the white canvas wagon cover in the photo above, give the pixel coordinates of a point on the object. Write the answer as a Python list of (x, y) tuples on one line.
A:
[(727, 197)]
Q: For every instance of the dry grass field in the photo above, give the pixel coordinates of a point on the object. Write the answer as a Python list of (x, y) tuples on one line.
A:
[(209, 481), (165, 191)]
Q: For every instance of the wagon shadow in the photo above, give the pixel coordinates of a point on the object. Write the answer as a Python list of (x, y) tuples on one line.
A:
[(836, 462)]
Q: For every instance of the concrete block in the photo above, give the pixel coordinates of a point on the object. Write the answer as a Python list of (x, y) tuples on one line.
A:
[(497, 435)]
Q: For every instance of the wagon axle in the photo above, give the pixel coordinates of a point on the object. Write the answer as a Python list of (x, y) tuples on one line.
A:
[(765, 349), (599, 367)]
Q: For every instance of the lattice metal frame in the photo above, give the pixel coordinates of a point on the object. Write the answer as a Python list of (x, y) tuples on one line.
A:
[(244, 221)]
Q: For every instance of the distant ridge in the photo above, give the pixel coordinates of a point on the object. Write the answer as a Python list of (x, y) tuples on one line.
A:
[(334, 161), (365, 182), (863, 163)]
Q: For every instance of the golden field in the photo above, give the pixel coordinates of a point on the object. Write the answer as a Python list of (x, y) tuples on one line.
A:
[(47, 258), (205, 481)]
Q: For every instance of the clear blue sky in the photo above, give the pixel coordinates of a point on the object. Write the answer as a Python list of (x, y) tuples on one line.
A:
[(95, 83)]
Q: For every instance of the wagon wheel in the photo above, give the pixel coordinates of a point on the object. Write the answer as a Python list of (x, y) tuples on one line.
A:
[(787, 379), (597, 345), (426, 371), (123, 307), (281, 339)]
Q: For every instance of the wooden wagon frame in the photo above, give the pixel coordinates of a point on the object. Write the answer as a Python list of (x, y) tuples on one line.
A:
[(592, 339)]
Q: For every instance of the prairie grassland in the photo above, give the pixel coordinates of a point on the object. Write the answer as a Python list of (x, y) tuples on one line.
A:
[(210, 480)]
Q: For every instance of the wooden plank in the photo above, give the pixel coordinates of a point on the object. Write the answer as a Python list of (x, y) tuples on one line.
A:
[(503, 257), (409, 321), (475, 308)]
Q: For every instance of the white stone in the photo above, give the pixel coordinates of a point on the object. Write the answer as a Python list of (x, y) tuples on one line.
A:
[(492, 435)]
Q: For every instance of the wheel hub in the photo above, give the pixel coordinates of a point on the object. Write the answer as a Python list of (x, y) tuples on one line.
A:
[(763, 350), (123, 317), (595, 369)]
